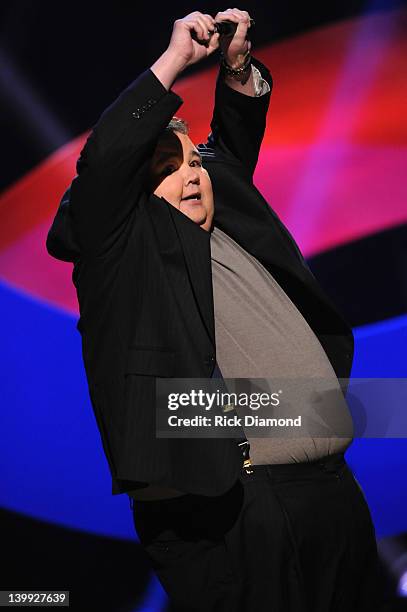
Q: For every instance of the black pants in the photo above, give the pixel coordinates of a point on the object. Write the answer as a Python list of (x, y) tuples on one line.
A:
[(287, 538)]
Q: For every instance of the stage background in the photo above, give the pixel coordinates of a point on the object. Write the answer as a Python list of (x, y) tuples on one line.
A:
[(333, 166)]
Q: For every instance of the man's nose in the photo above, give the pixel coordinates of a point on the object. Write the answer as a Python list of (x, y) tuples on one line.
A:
[(192, 176)]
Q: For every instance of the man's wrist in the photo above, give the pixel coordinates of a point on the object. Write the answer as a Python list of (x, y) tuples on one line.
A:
[(176, 60), (168, 67), (240, 70), (237, 64)]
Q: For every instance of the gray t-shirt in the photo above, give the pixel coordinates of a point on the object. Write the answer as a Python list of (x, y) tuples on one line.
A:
[(261, 334)]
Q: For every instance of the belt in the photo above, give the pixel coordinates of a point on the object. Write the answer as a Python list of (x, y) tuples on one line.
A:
[(244, 446)]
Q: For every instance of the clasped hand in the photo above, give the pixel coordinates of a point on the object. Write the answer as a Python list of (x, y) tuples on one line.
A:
[(234, 49)]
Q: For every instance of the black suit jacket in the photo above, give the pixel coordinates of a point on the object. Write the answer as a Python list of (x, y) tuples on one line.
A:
[(142, 271)]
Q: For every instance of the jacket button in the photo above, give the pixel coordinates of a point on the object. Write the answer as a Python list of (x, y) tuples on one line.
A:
[(209, 360)]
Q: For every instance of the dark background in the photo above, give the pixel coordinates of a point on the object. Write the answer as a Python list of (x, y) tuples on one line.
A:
[(61, 63)]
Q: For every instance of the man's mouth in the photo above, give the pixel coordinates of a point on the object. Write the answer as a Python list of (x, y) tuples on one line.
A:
[(194, 197)]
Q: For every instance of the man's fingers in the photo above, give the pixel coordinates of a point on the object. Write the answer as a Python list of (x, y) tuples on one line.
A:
[(241, 29), (214, 42), (226, 15), (233, 15), (244, 14), (202, 29), (198, 27), (206, 25), (241, 18), (210, 21)]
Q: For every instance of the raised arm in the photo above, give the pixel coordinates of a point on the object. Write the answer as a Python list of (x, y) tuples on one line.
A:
[(114, 164), (239, 115)]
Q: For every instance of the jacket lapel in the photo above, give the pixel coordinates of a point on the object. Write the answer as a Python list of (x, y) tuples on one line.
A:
[(187, 252)]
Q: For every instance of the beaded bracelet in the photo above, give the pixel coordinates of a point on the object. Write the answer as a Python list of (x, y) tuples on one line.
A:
[(236, 72)]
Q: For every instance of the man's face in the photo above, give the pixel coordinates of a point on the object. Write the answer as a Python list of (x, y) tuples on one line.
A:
[(177, 172)]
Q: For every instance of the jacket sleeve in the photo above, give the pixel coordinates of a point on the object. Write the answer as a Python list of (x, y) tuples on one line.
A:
[(61, 242), (114, 163), (239, 121)]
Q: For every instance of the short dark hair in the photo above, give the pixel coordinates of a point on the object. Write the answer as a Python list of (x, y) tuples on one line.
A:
[(178, 125)]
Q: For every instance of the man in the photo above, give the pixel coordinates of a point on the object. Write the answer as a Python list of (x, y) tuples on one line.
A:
[(173, 248)]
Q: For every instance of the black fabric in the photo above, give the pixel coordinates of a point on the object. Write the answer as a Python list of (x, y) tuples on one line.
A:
[(287, 538)]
